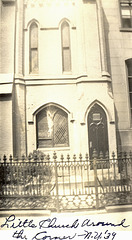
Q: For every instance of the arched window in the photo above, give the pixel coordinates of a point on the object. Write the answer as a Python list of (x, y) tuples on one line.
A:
[(129, 73), (33, 48), (52, 127), (66, 52)]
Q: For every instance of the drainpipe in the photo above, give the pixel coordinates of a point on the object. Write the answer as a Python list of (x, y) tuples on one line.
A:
[(103, 54), (23, 72)]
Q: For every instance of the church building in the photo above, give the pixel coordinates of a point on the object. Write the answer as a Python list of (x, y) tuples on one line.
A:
[(65, 76)]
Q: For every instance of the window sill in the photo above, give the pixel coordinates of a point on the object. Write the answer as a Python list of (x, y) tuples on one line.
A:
[(33, 74), (67, 73), (54, 149), (125, 29)]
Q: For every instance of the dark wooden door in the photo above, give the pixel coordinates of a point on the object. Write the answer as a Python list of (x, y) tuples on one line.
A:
[(97, 131)]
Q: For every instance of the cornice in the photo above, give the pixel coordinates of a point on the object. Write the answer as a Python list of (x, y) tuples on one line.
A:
[(65, 80)]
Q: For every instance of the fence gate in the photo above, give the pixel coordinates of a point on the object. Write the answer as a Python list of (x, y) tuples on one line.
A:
[(65, 184)]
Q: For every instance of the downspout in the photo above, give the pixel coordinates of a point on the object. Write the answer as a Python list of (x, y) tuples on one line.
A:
[(103, 54), (23, 72)]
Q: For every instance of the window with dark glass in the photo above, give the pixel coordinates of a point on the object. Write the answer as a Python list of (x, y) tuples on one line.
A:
[(33, 48), (126, 13), (129, 71), (52, 128), (66, 52)]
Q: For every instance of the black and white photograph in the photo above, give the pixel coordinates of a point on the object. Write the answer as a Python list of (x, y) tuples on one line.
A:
[(65, 119)]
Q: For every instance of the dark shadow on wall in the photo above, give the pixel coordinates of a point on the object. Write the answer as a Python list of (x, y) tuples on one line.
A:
[(118, 138), (88, 1), (106, 33), (19, 124)]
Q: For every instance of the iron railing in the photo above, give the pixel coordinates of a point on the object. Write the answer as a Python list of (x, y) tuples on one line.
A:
[(72, 183)]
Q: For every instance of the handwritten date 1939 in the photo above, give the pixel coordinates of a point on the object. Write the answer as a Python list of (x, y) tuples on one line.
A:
[(98, 235)]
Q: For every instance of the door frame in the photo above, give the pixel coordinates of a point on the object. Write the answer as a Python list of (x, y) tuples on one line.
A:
[(107, 114)]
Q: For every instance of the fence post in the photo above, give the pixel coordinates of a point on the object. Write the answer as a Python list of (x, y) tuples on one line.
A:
[(130, 175), (95, 177), (5, 169), (56, 182)]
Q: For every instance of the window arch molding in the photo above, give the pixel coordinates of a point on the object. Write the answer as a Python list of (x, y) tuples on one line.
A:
[(52, 126), (33, 20), (64, 20), (38, 109), (108, 114)]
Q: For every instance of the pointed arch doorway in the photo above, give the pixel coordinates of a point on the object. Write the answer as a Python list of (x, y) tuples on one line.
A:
[(97, 131)]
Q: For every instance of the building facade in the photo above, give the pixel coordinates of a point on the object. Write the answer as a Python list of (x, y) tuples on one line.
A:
[(65, 82)]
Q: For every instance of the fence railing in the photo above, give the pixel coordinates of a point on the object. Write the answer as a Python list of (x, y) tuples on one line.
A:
[(39, 181)]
